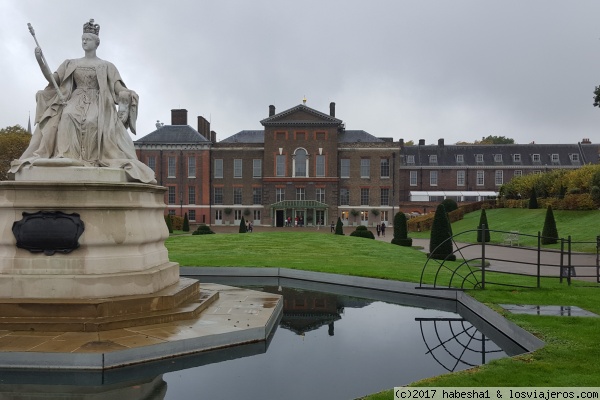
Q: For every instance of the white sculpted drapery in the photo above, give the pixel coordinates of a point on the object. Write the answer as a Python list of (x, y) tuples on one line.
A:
[(86, 129)]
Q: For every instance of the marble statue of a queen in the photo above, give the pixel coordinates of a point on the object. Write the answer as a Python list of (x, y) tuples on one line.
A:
[(82, 116)]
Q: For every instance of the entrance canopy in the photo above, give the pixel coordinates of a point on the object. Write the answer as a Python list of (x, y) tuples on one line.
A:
[(300, 204)]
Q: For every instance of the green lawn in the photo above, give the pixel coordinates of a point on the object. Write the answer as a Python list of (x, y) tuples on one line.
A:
[(572, 344)]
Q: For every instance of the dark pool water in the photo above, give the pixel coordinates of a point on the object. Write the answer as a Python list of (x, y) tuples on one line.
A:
[(331, 346), (332, 342)]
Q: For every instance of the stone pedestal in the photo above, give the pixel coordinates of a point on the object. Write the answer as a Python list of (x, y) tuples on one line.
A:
[(121, 250)]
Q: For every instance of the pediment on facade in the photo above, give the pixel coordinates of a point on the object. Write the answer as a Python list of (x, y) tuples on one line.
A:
[(301, 115)]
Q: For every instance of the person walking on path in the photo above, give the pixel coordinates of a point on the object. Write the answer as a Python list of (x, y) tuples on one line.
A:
[(332, 227), (383, 229), (378, 229)]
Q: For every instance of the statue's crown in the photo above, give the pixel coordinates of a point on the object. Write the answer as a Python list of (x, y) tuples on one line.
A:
[(90, 27)]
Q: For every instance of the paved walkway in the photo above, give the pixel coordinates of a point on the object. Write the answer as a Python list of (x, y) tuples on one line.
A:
[(522, 260)]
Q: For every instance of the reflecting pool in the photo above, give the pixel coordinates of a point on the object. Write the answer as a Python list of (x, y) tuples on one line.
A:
[(332, 342)]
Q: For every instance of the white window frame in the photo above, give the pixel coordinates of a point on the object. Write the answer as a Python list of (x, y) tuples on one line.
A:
[(365, 194), (413, 178), (460, 158), (320, 167), (516, 157), (237, 168), (479, 158), (191, 194), (433, 159), (257, 168), (300, 193), (191, 167), (498, 158), (384, 168), (171, 167), (280, 165), (535, 158), (460, 178), (574, 157), (344, 168), (320, 195), (279, 194), (344, 197), (295, 164), (518, 172), (499, 177), (238, 195), (218, 172), (365, 168), (555, 158), (480, 179), (410, 159), (433, 178), (152, 163)]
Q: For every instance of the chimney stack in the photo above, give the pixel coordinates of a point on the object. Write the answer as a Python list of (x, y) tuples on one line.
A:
[(204, 127), (332, 109), (213, 136), (441, 142), (179, 117), (271, 110), (421, 142)]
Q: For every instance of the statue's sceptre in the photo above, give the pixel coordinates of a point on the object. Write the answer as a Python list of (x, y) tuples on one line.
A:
[(60, 96)]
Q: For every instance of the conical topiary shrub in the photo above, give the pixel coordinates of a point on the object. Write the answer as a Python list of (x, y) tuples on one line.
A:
[(440, 243), (186, 223), (400, 231), (533, 203), (169, 223), (243, 226), (339, 227), (549, 233), (483, 221)]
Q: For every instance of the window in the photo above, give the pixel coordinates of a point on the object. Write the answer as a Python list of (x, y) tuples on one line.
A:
[(218, 215), (460, 158), (171, 194), (460, 178), (384, 216), (385, 167), (499, 177), (237, 195), (218, 195), (364, 197), (280, 165), (410, 159), (365, 167), (413, 178), (433, 159), (171, 170), (517, 158), (218, 168), (256, 168), (172, 212), (433, 178), (300, 158), (537, 172), (300, 193), (479, 158), (320, 195), (152, 163), (279, 194), (574, 157), (191, 194), (384, 197), (192, 215), (535, 157), (344, 197), (364, 216), (554, 158), (518, 172), (237, 214), (256, 195), (480, 178), (257, 215), (191, 167), (498, 158), (345, 168), (237, 168), (320, 165)]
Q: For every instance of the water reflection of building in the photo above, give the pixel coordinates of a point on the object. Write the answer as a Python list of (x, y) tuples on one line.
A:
[(305, 311)]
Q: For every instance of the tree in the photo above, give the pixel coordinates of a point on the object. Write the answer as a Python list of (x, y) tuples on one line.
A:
[(400, 231), (495, 140), (440, 243), (243, 226), (483, 221), (339, 227), (186, 223), (450, 205), (549, 232), (13, 142), (533, 203), (169, 223)]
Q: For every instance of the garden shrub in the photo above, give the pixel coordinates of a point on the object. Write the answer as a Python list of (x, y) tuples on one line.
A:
[(186, 223), (243, 226), (362, 231), (549, 232), (400, 231), (533, 203), (440, 243), (203, 229), (339, 227), (483, 221), (169, 223), (449, 205)]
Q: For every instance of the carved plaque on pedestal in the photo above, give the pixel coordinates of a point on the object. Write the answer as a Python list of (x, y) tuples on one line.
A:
[(48, 232)]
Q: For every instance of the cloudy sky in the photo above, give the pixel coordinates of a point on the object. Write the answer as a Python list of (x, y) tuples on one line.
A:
[(412, 69)]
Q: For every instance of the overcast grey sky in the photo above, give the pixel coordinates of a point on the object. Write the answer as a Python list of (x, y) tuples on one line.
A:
[(418, 69)]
